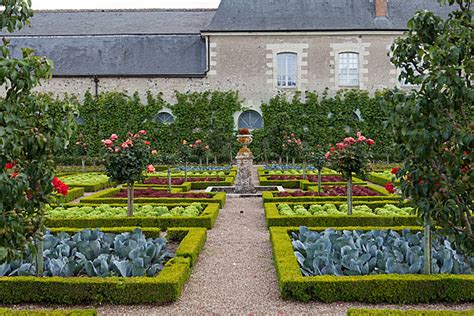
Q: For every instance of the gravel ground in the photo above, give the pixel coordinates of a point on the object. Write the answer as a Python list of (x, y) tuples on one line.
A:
[(235, 275)]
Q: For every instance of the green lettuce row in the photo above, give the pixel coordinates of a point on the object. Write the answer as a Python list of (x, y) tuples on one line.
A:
[(391, 288), (274, 218), (342, 209), (206, 219), (164, 288)]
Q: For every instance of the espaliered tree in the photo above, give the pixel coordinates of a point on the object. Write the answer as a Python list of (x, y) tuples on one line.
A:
[(127, 159), (351, 156), (32, 132), (433, 123)]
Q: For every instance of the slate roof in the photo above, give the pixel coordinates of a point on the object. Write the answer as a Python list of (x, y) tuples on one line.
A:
[(315, 15), (155, 43), (114, 22)]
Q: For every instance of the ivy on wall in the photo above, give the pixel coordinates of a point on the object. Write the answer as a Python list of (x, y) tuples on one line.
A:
[(209, 116)]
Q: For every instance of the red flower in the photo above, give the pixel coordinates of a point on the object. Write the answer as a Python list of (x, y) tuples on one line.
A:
[(56, 182), (14, 174), (113, 137), (349, 140), (150, 169), (370, 142), (9, 165), (390, 187), (143, 132), (108, 143), (147, 143), (394, 171), (198, 142), (60, 187), (332, 149), (327, 155)]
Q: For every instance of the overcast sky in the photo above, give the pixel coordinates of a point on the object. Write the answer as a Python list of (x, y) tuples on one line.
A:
[(122, 4)]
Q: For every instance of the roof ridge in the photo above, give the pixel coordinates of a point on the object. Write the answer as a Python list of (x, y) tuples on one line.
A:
[(126, 10)]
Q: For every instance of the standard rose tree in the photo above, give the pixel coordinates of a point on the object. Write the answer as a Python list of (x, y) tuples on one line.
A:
[(127, 159), (199, 150), (350, 156), (316, 157)]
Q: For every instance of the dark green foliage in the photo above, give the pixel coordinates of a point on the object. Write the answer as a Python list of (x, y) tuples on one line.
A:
[(398, 289), (433, 124), (33, 129)]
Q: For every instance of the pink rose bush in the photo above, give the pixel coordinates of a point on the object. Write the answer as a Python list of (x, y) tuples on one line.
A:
[(351, 156), (127, 159)]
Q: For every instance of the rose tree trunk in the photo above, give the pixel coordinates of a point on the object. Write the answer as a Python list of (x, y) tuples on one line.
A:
[(349, 195), (130, 194)]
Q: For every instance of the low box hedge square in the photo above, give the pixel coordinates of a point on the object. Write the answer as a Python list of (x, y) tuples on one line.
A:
[(206, 219), (185, 187), (105, 197), (273, 218), (62, 312), (164, 288), (410, 312), (270, 197), (388, 288)]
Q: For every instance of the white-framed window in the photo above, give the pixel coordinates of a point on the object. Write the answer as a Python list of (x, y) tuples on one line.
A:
[(164, 118), (349, 69), (287, 70), (250, 119)]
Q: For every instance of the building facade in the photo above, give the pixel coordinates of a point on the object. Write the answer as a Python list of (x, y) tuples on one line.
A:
[(258, 47)]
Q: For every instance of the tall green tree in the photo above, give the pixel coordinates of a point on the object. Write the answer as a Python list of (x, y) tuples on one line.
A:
[(433, 123), (32, 132)]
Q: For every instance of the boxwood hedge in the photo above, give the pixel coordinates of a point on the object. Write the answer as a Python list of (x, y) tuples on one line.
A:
[(388, 288), (410, 312), (63, 312), (273, 218), (105, 197), (165, 287)]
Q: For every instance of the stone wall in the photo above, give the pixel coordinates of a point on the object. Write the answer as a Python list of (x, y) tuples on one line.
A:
[(246, 62)]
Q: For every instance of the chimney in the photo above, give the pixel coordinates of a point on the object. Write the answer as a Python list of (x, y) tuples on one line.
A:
[(381, 8)]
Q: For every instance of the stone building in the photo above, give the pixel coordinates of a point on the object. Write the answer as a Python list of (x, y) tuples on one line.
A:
[(258, 47)]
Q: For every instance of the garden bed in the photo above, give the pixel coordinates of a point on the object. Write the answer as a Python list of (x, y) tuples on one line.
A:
[(194, 183), (72, 194), (297, 181), (91, 182), (274, 216), (409, 312), (383, 288), (206, 218), (107, 197), (57, 312), (164, 288)]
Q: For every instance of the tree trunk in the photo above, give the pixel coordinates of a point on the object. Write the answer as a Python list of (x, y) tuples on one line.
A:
[(130, 194), (265, 156), (169, 178), (200, 161), (83, 165), (215, 159), (207, 160), (319, 180), (186, 171), (287, 159), (293, 160), (279, 160), (39, 257), (349, 195), (427, 257), (304, 170)]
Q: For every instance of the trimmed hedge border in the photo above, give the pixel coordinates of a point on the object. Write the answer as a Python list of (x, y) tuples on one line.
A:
[(410, 312), (388, 288), (303, 184), (164, 288), (206, 219), (273, 218), (104, 197), (269, 198), (64, 312), (185, 187), (72, 194)]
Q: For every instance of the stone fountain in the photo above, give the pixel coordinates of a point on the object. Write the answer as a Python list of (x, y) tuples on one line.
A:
[(244, 186)]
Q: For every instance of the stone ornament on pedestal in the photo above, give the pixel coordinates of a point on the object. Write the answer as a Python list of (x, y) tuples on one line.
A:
[(244, 159)]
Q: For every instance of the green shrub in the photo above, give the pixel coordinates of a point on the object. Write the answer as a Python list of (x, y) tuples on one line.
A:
[(410, 312), (64, 312), (392, 288)]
